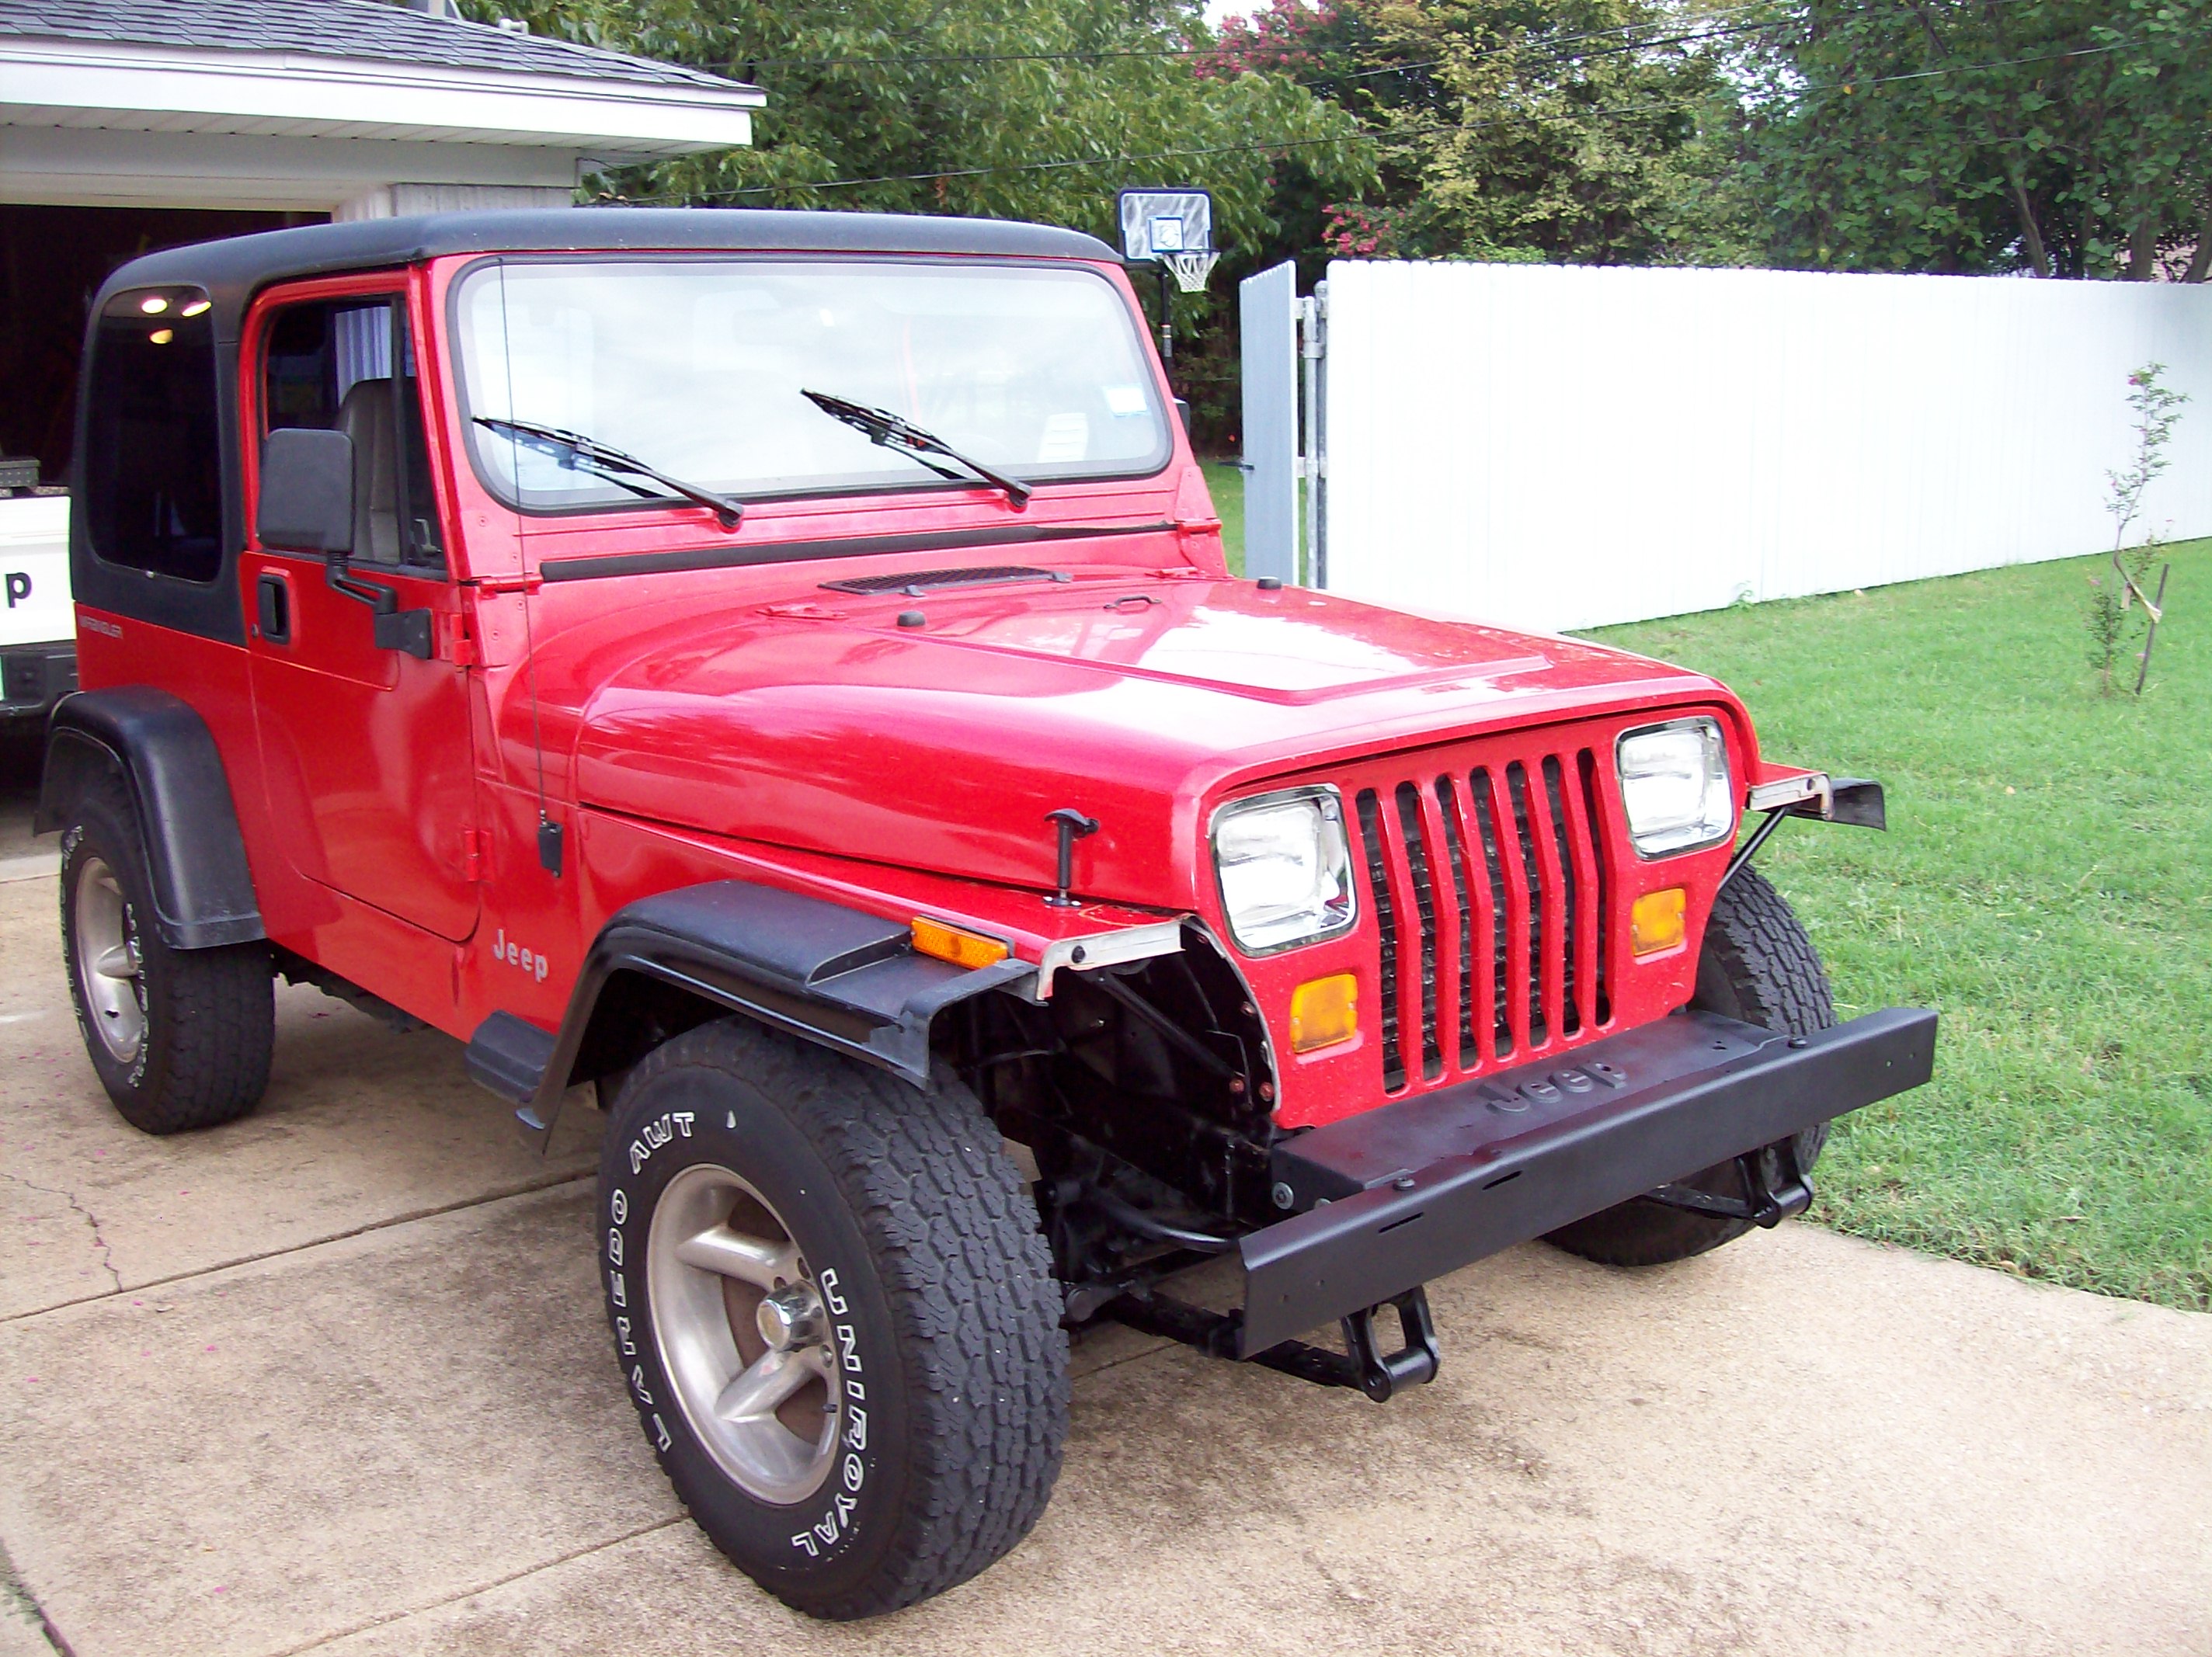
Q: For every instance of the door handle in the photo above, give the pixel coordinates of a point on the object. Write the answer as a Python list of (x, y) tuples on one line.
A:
[(272, 606)]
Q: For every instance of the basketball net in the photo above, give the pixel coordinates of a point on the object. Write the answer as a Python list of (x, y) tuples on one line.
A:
[(1191, 270)]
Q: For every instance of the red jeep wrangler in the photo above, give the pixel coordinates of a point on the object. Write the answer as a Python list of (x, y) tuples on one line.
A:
[(779, 668)]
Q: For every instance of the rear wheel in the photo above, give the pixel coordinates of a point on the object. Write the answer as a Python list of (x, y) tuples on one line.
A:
[(1757, 966), (837, 1315), (179, 1038)]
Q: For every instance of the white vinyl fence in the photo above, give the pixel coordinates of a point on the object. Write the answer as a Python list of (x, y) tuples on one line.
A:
[(1566, 446)]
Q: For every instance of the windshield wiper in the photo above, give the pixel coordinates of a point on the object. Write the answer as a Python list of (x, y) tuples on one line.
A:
[(615, 464), (889, 431)]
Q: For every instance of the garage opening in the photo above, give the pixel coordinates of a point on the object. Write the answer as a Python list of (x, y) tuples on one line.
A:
[(53, 260)]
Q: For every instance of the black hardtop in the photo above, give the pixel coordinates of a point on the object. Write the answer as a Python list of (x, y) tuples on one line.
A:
[(233, 271)]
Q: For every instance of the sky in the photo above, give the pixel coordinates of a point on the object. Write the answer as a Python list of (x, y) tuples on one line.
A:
[(1217, 9)]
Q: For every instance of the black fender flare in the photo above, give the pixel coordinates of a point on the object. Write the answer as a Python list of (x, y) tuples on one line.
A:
[(840, 977), (167, 758)]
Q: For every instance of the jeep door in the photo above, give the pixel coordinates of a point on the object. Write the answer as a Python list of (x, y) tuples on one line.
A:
[(363, 721)]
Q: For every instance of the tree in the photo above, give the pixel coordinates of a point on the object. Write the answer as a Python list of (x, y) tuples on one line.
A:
[(1595, 131), (1038, 110), (2064, 137)]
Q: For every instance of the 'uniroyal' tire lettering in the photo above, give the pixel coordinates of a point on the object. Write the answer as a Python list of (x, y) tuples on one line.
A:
[(837, 1521)]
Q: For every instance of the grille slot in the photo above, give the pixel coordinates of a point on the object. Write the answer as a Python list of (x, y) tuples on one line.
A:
[(1425, 903), (1586, 767), (1456, 851), (1386, 925), (1488, 888), (1555, 797)]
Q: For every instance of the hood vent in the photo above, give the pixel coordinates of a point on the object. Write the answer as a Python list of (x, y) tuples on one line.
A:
[(931, 580)]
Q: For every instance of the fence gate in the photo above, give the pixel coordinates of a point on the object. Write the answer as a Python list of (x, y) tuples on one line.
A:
[(1284, 408)]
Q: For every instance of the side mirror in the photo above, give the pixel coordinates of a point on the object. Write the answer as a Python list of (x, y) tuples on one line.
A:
[(307, 492)]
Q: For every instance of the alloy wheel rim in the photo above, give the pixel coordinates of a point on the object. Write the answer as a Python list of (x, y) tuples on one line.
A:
[(742, 1334), (111, 970)]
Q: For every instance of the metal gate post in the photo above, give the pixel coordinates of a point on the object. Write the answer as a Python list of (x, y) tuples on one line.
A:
[(1312, 465)]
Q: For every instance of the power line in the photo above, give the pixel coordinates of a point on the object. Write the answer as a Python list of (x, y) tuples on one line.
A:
[(1157, 52), (1778, 12), (1271, 146)]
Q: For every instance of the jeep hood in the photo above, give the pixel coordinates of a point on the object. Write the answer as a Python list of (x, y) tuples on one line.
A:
[(935, 732)]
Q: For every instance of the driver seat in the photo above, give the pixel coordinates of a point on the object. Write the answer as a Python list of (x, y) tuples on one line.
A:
[(365, 416)]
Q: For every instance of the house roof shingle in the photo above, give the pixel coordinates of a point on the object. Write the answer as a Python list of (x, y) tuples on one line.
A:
[(359, 29)]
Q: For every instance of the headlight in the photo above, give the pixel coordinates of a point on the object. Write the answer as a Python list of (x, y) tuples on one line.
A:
[(1284, 868), (1674, 784)]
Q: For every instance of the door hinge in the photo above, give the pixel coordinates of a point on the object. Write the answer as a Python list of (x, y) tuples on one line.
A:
[(454, 644), (472, 853)]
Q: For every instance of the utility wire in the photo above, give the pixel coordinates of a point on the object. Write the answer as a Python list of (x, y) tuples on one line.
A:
[(1780, 14), (1272, 146)]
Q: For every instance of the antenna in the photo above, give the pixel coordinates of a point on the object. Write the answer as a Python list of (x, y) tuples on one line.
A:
[(549, 832)]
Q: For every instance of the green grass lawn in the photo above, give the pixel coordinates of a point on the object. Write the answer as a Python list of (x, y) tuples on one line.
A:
[(1226, 484), (2046, 883)]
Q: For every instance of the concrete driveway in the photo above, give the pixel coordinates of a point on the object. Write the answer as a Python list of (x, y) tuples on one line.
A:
[(335, 1379)]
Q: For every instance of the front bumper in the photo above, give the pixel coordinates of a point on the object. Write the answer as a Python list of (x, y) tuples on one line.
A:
[(1406, 1193)]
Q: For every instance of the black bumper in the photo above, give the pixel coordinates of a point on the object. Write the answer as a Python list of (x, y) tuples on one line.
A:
[(1406, 1193), (33, 677)]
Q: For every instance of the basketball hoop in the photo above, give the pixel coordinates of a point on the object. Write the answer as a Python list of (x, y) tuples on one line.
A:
[(1171, 230), (1191, 270)]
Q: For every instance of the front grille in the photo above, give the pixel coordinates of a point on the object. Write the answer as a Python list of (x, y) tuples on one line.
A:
[(1488, 890)]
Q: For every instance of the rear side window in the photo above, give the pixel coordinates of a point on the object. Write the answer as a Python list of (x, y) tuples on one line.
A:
[(152, 468), (348, 365)]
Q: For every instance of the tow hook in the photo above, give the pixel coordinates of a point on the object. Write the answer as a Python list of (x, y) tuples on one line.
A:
[(1362, 1366), (1381, 1376), (1766, 1201)]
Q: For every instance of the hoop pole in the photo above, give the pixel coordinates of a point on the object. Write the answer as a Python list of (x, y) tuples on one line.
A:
[(1167, 326)]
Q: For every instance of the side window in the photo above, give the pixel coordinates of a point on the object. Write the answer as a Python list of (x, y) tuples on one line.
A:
[(348, 365), (152, 467)]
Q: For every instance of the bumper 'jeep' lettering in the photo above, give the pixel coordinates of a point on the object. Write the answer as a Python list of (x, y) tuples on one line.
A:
[(761, 795)]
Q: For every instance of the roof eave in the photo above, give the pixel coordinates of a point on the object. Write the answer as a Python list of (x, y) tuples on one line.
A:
[(50, 81)]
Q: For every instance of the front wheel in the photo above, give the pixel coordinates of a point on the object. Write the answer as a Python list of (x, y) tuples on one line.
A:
[(836, 1316), (1757, 966)]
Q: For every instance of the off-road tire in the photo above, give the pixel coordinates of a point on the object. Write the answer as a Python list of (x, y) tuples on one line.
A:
[(944, 1308), (209, 1016), (1758, 966)]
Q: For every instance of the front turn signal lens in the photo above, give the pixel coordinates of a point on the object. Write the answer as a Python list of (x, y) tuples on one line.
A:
[(961, 948), (1655, 921), (1324, 1012)]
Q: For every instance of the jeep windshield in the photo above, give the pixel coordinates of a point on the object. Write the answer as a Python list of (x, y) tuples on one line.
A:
[(702, 365)]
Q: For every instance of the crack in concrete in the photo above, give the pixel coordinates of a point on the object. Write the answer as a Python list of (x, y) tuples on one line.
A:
[(16, 1600), (549, 1182), (106, 1253), (590, 1548)]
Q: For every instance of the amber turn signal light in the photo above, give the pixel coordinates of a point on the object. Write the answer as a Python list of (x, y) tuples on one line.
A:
[(1324, 1012), (1655, 921), (961, 949)]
